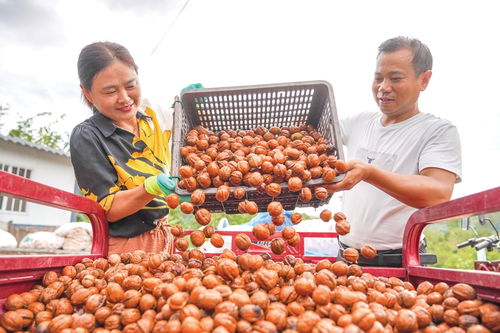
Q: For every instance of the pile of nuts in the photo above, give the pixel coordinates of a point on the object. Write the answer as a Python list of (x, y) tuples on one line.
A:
[(257, 157), (189, 293)]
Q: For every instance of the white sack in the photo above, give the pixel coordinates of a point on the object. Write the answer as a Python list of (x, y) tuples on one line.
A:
[(42, 240), (7, 239)]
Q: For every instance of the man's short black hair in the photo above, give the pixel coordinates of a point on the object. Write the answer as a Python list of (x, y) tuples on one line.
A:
[(422, 57)]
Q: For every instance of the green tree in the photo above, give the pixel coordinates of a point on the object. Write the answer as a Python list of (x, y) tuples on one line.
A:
[(44, 135)]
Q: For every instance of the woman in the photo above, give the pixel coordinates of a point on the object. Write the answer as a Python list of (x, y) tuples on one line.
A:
[(121, 153)]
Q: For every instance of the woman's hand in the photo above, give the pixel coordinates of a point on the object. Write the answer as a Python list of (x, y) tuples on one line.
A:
[(162, 185), (159, 185)]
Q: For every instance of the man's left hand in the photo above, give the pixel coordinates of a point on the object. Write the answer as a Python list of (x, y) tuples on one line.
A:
[(356, 171)]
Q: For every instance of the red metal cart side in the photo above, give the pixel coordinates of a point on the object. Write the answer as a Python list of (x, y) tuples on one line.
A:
[(20, 273), (487, 284)]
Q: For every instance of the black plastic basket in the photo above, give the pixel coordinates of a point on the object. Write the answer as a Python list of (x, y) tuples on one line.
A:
[(284, 104)]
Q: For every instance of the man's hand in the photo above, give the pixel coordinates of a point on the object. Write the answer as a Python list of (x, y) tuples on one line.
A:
[(432, 186), (356, 171)]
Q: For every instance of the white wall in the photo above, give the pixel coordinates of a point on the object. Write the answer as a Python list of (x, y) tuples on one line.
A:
[(47, 168)]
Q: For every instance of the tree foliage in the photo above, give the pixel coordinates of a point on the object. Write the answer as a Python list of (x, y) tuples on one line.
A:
[(44, 135)]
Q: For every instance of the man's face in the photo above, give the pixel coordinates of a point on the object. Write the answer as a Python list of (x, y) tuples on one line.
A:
[(396, 87)]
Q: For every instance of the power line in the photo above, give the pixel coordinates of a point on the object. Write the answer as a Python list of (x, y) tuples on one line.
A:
[(169, 27)]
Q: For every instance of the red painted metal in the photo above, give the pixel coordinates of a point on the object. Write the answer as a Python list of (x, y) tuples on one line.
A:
[(490, 266), (22, 188), (18, 274), (487, 284)]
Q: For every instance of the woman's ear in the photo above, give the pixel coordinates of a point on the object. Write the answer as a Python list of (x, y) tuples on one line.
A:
[(425, 77), (87, 94)]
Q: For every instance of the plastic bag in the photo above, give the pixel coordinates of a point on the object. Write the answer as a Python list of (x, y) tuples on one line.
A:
[(66, 228), (7, 239), (42, 240), (78, 239)]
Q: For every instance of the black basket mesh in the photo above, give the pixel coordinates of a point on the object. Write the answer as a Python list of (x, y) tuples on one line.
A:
[(287, 104)]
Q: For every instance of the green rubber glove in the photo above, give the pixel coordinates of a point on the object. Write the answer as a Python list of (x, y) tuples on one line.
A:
[(192, 86), (162, 185)]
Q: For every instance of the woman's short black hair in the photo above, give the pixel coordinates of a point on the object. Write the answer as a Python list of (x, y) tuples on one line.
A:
[(97, 56)]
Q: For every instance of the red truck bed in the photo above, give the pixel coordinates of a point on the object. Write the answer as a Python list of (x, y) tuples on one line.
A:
[(19, 274)]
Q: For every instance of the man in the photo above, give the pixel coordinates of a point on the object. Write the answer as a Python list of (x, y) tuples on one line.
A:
[(401, 159)]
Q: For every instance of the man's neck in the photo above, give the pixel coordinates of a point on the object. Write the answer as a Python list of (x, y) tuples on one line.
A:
[(394, 119)]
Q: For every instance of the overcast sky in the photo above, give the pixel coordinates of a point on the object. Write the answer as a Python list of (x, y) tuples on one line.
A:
[(237, 42)]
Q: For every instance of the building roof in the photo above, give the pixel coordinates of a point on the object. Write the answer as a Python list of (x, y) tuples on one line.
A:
[(37, 146)]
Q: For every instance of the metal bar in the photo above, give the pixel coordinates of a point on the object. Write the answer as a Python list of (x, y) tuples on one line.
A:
[(22, 188)]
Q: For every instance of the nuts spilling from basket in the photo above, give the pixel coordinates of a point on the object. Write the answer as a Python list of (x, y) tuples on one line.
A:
[(139, 292), (269, 160)]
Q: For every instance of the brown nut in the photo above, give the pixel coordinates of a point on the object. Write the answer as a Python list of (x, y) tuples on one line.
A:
[(187, 207), (305, 194), (274, 208), (198, 197), (251, 313), (296, 218), (288, 232), (14, 302), (217, 240), (278, 220), (306, 321), (406, 321), (463, 291), (320, 193), (368, 251), (222, 193), (326, 215), (197, 238), (342, 227), (242, 241), (278, 246), (203, 216), (209, 299), (239, 193), (294, 184), (181, 244), (261, 231), (294, 241), (339, 216), (273, 189), (11, 321), (351, 255), (172, 200)]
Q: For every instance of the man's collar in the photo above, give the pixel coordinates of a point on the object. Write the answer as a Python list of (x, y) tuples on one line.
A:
[(106, 126)]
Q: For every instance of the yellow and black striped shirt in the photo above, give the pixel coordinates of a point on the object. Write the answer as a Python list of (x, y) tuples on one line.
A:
[(107, 159)]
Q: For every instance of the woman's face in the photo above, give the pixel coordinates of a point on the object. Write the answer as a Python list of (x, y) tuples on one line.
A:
[(116, 92)]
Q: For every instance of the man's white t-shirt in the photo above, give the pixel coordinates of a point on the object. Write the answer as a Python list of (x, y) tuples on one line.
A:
[(408, 147)]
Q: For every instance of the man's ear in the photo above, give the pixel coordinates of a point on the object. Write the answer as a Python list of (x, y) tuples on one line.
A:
[(87, 95), (425, 77)]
